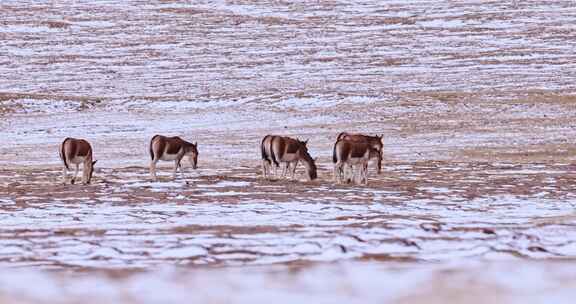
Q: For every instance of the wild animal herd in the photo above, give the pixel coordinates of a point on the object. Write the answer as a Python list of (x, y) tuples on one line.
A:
[(351, 155)]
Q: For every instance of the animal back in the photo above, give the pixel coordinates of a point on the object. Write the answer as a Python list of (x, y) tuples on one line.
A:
[(83, 149), (292, 148), (356, 138), (173, 147)]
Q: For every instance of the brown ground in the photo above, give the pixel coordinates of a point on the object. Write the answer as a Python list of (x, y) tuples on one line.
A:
[(475, 100)]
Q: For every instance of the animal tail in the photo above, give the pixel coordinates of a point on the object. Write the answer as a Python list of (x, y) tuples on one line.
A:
[(152, 150), (339, 137), (63, 155), (263, 149), (272, 155), (334, 156)]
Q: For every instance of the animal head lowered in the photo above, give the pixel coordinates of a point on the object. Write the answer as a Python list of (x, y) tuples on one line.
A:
[(193, 155), (164, 148), (374, 141), (378, 146), (375, 153), (74, 151), (308, 161), (91, 171)]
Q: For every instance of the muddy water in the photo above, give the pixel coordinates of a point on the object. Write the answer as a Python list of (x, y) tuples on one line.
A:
[(417, 212)]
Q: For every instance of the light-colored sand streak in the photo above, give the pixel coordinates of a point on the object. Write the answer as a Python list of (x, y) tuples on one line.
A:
[(487, 87), (430, 211)]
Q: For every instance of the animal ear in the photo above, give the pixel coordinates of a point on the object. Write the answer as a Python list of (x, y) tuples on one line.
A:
[(94, 162), (196, 143), (306, 142), (380, 136)]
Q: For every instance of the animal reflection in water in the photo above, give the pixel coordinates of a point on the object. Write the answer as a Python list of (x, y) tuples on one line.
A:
[(77, 151), (171, 149), (279, 149), (351, 155)]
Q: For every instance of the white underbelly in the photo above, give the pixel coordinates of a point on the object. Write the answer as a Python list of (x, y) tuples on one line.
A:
[(356, 160), (289, 157), (77, 160), (169, 157)]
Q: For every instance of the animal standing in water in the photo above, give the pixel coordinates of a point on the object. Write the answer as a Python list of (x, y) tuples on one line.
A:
[(279, 149), (77, 151), (171, 148)]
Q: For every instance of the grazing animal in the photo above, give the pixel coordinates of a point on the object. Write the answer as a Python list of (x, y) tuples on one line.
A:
[(279, 149), (77, 151), (374, 141), (171, 148), (354, 154)]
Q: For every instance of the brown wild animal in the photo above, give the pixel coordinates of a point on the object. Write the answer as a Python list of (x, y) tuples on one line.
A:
[(374, 141), (77, 151), (171, 149), (278, 149), (354, 154)]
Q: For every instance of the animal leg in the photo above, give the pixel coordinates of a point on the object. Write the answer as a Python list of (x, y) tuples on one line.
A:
[(267, 167), (338, 172), (191, 167), (264, 169), (176, 166), (75, 174), (285, 170), (65, 175), (182, 170), (349, 173), (84, 174), (276, 171), (343, 173), (358, 174), (153, 169), (335, 173), (294, 170)]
